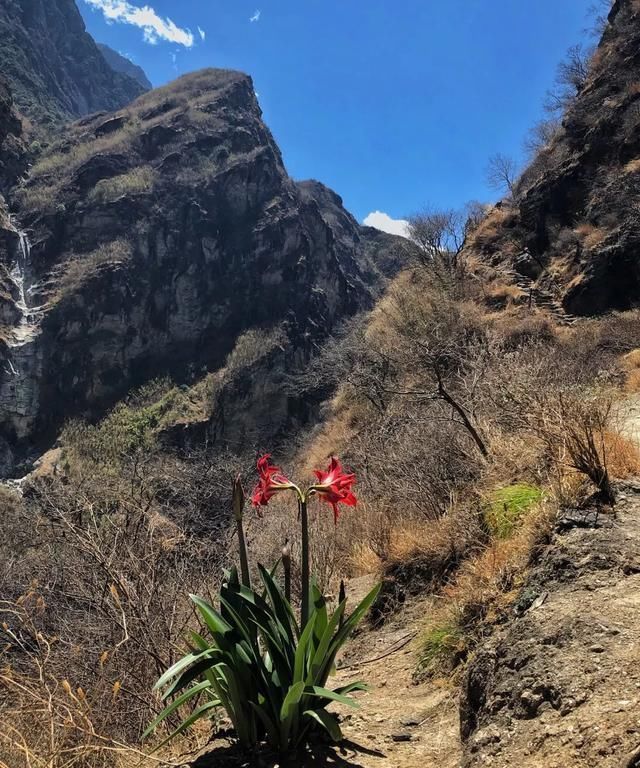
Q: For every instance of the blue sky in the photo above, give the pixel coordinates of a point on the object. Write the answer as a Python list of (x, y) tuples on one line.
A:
[(395, 104)]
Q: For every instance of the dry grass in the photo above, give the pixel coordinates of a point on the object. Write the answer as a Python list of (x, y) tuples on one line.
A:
[(490, 229), (590, 235), (137, 181), (502, 295), (76, 270), (621, 455), (633, 166), (631, 367), (485, 586)]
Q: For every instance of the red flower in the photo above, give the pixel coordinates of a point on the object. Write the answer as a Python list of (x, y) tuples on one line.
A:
[(270, 482), (334, 486)]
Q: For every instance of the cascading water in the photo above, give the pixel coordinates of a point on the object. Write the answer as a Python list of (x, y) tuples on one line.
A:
[(21, 366), (27, 326)]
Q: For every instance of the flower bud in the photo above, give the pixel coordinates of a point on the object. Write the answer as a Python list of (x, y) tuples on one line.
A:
[(237, 502)]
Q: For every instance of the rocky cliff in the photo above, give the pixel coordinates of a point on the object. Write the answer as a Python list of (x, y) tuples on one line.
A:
[(574, 222), (53, 65), (160, 234), (125, 66)]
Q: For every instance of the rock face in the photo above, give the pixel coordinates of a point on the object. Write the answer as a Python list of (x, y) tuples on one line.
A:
[(54, 67), (12, 149), (576, 216), (162, 234), (559, 684), (125, 66)]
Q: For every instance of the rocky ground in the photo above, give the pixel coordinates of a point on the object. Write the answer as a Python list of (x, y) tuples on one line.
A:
[(560, 685)]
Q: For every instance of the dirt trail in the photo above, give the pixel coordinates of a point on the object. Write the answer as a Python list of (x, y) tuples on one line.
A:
[(400, 724)]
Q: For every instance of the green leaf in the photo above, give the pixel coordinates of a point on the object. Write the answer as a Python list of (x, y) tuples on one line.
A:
[(327, 721), (318, 662), (185, 661), (302, 653), (190, 674), (217, 625), (291, 700), (197, 715), (196, 690), (343, 633), (357, 686), (326, 693)]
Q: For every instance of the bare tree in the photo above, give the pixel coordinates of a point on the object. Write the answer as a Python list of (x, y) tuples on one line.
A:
[(436, 233), (474, 213), (571, 76), (502, 173), (439, 236), (598, 13), (541, 135)]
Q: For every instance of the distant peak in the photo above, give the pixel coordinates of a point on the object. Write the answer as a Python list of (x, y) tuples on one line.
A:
[(120, 63)]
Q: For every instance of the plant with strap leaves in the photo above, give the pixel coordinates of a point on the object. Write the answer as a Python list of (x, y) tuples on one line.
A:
[(268, 670)]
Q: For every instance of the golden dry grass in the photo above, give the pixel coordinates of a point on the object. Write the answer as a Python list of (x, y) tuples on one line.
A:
[(631, 367), (621, 455), (73, 272), (136, 181), (497, 292), (590, 235)]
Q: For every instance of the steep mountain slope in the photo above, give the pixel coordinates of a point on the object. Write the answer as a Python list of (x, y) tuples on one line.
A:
[(12, 149), (574, 223), (125, 66), (161, 234), (53, 66)]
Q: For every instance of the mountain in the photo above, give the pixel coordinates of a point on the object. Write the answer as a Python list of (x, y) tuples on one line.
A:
[(54, 67), (160, 236), (125, 66), (574, 223), (12, 149)]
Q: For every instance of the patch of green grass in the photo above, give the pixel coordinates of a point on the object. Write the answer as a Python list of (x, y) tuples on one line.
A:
[(506, 507), (441, 648)]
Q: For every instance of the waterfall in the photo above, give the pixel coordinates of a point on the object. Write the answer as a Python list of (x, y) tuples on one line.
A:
[(18, 273), (21, 370), (27, 327)]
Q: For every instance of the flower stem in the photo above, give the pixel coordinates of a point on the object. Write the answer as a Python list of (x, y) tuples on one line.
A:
[(244, 559), (286, 564), (304, 519)]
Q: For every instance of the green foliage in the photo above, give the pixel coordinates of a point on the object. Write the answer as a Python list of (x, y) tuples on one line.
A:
[(507, 506), (266, 672), (441, 644), (132, 427)]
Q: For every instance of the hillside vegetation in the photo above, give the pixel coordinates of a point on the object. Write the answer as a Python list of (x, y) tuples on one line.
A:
[(481, 379)]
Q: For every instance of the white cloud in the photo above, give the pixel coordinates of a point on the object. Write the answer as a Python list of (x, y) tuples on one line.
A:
[(384, 222), (154, 27), (202, 33), (256, 16)]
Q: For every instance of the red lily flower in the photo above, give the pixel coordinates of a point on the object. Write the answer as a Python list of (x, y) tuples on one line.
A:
[(271, 481), (334, 486)]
